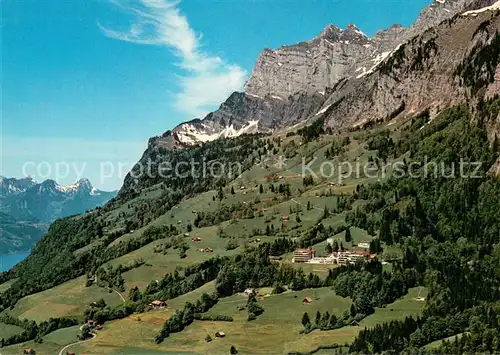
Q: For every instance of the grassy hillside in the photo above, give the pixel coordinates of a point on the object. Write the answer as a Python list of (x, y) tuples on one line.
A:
[(181, 241)]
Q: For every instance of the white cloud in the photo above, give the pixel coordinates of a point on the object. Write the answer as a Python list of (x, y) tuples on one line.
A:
[(208, 79)]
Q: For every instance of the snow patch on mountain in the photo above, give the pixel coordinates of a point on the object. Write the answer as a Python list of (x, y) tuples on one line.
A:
[(495, 6), (190, 134), (377, 60), (323, 110)]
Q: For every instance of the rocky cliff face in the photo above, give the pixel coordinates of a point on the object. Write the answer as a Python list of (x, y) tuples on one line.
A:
[(291, 83), (336, 53), (449, 64), (311, 66), (243, 113)]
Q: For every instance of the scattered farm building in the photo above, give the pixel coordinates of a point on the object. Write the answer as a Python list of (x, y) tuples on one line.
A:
[(220, 334), (307, 300), (158, 304)]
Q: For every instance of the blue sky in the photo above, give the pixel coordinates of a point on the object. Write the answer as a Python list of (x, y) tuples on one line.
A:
[(86, 83)]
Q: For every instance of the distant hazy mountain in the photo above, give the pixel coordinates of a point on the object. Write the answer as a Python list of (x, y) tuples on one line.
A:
[(28, 207), (16, 235)]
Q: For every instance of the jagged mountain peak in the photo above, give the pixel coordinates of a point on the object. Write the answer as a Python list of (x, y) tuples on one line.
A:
[(10, 186), (330, 32), (352, 28), (287, 79), (48, 200), (334, 34), (84, 184)]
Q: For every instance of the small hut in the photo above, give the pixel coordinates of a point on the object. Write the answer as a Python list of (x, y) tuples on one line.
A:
[(158, 303), (220, 334)]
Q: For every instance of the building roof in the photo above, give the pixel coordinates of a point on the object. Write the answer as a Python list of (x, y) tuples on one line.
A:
[(359, 252), (157, 302), (303, 251)]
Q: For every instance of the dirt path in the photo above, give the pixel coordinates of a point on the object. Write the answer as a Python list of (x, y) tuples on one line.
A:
[(119, 294), (301, 204), (77, 342), (93, 334)]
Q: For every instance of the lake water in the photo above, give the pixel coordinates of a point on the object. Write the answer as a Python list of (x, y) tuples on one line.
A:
[(9, 260)]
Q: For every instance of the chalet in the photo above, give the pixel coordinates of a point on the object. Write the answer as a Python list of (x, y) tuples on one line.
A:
[(91, 322), (302, 255), (158, 304), (70, 353), (220, 334), (99, 327), (208, 250), (285, 218), (307, 300), (196, 239), (27, 351)]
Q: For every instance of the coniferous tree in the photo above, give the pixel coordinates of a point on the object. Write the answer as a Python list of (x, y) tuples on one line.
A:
[(348, 236), (305, 319)]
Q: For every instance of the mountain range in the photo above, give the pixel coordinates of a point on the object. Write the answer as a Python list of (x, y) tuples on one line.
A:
[(28, 207), (303, 261), (449, 56), (291, 83)]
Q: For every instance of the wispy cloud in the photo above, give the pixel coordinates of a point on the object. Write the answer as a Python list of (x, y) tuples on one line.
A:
[(207, 79)]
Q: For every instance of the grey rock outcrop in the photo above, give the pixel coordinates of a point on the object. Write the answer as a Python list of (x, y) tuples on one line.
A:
[(291, 83), (425, 73)]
